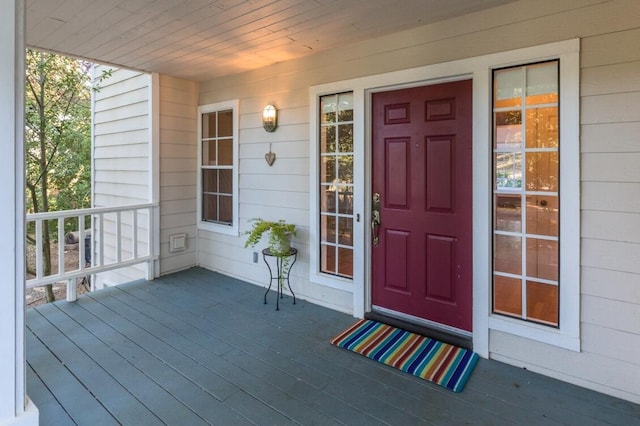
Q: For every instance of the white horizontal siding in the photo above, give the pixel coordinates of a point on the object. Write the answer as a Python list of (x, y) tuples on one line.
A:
[(177, 178), (611, 343), (610, 176), (287, 149), (613, 108), (180, 192), (124, 138), (121, 175), (611, 137), (611, 196), (125, 125), (174, 150), (105, 194), (612, 255), (611, 375), (613, 315), (611, 167), (124, 163), (174, 223), (608, 79), (609, 284), (120, 98), (133, 149), (120, 85), (257, 181), (178, 161), (122, 111), (611, 46), (611, 205), (596, 224), (176, 164)]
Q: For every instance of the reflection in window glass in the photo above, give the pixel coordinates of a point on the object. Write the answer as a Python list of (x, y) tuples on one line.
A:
[(507, 254), (542, 215), (508, 129), (507, 296), (508, 213), (526, 169), (542, 83), (508, 87), (542, 302), (508, 170), (542, 171), (542, 127), (542, 259), (336, 184)]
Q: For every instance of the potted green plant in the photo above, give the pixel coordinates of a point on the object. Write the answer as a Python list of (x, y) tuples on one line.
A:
[(280, 234)]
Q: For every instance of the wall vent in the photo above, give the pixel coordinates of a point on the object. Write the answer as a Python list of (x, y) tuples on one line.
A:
[(177, 242)]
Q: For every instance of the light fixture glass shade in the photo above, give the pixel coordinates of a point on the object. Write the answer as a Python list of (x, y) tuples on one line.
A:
[(269, 118)]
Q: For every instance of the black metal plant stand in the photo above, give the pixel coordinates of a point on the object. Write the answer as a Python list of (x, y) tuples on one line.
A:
[(292, 253)]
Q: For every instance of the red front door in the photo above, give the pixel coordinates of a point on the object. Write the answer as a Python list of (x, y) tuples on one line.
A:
[(421, 161)]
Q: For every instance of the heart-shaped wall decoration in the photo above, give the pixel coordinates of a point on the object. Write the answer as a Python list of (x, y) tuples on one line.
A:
[(270, 157)]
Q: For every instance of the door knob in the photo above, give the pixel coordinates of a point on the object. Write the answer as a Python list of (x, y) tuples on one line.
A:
[(375, 218)]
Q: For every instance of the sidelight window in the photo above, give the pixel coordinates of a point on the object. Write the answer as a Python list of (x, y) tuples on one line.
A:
[(336, 184), (526, 195)]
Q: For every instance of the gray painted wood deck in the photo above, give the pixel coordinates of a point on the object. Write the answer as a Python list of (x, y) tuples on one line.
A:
[(197, 348)]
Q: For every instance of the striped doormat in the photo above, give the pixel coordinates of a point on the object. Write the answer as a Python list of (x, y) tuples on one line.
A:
[(429, 359)]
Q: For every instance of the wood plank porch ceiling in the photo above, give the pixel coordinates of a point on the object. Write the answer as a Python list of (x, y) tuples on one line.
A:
[(202, 39)]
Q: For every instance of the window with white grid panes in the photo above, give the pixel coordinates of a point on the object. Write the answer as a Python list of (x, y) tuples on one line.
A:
[(336, 184), (216, 168), (526, 170)]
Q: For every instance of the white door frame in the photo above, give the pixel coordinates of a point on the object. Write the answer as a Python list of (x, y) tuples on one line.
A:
[(479, 72), (478, 69), (368, 306)]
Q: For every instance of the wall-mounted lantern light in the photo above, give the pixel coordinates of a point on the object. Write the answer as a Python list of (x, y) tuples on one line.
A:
[(269, 118)]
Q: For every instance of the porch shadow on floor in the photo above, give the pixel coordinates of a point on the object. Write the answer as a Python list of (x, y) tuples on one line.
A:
[(197, 347)]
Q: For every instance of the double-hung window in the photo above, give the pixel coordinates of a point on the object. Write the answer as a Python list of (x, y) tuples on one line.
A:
[(218, 167)]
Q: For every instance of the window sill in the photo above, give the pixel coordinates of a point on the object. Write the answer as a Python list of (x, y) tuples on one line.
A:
[(333, 281), (217, 228), (536, 332)]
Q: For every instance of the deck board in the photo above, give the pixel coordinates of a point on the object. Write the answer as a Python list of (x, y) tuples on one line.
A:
[(66, 388), (114, 396), (168, 367), (49, 408), (260, 361), (111, 350), (198, 347)]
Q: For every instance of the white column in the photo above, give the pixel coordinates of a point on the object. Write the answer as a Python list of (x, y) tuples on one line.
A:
[(153, 271), (15, 407)]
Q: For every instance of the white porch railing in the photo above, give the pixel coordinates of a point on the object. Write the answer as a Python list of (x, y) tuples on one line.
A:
[(115, 236)]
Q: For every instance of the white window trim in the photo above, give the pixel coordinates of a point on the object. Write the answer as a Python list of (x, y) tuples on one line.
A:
[(315, 276), (480, 70), (208, 226), (568, 334)]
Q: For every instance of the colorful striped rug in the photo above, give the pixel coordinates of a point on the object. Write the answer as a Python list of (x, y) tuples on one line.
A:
[(429, 359)]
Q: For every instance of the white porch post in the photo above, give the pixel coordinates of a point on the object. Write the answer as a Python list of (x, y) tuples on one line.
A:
[(15, 407), (153, 269)]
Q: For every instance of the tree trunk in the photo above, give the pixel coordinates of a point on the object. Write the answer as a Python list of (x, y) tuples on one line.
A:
[(46, 239), (44, 195), (46, 258)]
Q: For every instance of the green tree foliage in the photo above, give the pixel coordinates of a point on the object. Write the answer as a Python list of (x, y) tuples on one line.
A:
[(58, 139)]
